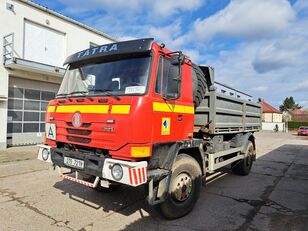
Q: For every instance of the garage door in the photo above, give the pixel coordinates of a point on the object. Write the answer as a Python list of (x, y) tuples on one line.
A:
[(26, 115), (43, 44)]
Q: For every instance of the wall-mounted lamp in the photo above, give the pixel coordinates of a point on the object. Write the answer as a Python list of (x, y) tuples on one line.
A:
[(10, 7)]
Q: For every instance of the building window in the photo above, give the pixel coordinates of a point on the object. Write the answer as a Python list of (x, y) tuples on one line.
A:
[(26, 110)]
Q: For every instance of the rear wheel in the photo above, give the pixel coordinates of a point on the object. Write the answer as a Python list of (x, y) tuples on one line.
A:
[(184, 188), (243, 167)]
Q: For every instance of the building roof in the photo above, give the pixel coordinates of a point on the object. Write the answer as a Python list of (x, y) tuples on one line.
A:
[(297, 111), (54, 13), (267, 108)]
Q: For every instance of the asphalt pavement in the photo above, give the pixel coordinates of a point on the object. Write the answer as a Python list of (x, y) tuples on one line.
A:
[(273, 197)]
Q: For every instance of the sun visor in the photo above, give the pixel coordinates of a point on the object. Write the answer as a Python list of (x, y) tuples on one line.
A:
[(139, 46)]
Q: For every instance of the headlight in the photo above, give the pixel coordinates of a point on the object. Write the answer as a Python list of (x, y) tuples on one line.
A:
[(117, 172), (45, 154)]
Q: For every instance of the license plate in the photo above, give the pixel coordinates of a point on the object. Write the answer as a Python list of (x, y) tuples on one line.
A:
[(74, 162)]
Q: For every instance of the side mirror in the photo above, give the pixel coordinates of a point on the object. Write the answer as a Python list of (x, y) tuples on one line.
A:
[(174, 78), (177, 59)]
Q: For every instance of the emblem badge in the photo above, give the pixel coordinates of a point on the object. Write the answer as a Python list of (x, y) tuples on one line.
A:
[(76, 120)]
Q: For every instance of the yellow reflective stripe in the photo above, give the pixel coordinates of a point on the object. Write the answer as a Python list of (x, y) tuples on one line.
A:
[(98, 109), (120, 109), (51, 109), (179, 108), (163, 107), (189, 110), (166, 107)]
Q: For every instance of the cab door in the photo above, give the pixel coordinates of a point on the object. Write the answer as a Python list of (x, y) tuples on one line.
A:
[(169, 110)]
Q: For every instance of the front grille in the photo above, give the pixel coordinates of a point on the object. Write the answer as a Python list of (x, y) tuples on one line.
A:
[(84, 125), (78, 139), (79, 132), (71, 131)]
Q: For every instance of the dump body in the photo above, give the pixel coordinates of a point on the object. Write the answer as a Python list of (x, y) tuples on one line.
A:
[(221, 113)]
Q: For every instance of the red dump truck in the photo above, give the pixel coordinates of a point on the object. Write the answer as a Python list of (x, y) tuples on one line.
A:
[(135, 113)]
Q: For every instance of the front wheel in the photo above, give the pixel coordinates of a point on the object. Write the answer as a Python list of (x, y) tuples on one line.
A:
[(184, 188), (243, 167)]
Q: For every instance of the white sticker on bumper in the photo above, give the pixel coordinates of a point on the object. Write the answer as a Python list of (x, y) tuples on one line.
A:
[(50, 130), (44, 153)]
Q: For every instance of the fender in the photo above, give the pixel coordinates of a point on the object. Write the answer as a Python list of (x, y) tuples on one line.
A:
[(164, 154), (246, 138), (161, 162)]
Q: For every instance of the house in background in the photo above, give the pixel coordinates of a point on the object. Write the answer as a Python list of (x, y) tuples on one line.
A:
[(295, 115), (34, 43), (270, 117)]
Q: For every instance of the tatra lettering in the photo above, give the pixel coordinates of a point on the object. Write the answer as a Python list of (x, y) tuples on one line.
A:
[(86, 53), (94, 49), (79, 54), (114, 47), (103, 49)]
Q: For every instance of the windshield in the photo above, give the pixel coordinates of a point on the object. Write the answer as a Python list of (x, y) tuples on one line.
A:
[(120, 77)]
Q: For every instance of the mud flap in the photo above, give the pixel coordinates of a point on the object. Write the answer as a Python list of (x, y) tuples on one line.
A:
[(157, 190)]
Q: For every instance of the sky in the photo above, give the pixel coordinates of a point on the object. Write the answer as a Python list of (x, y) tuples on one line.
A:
[(256, 46)]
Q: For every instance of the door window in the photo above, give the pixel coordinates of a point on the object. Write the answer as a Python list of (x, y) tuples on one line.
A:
[(168, 79)]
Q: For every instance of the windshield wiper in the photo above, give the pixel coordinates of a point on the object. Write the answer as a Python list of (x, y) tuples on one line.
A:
[(107, 92), (78, 92), (62, 94), (68, 95)]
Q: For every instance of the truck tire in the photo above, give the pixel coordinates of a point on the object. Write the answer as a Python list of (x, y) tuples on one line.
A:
[(199, 85), (243, 167), (184, 188)]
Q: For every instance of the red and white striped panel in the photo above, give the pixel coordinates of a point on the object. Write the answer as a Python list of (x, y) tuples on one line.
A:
[(134, 173), (79, 181), (137, 176)]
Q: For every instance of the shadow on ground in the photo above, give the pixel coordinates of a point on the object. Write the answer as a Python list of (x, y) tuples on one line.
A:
[(273, 197)]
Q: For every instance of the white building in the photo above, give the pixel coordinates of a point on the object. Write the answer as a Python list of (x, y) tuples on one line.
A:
[(271, 117), (34, 44)]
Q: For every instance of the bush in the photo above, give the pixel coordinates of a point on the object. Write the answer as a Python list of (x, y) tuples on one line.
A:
[(292, 125)]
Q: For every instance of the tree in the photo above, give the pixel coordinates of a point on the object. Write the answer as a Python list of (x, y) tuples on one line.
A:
[(289, 103)]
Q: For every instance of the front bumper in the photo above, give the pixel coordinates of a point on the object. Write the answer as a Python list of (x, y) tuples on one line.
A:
[(134, 173)]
